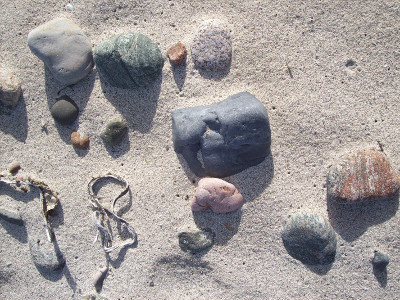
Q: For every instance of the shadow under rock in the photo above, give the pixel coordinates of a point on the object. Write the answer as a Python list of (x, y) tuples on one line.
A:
[(350, 221), (192, 264), (179, 73), (14, 120), (319, 269), (224, 226), (381, 276), (121, 148), (79, 92), (137, 105)]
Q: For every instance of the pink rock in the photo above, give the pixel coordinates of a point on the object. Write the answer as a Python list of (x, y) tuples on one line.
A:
[(218, 195)]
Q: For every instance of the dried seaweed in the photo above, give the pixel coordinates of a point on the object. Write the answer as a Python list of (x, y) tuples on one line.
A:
[(48, 197), (101, 213)]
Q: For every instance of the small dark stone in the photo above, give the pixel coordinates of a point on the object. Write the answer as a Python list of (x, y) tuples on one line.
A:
[(195, 241), (380, 261), (310, 239), (14, 168), (128, 60), (225, 138), (114, 132), (64, 111)]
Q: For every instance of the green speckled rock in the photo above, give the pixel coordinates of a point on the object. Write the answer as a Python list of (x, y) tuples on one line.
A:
[(114, 132), (128, 60), (310, 239)]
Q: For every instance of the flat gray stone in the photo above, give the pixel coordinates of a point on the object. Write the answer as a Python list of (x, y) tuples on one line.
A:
[(212, 47), (64, 49), (225, 138), (195, 241), (64, 111), (310, 239), (114, 132), (380, 261), (128, 60), (10, 88)]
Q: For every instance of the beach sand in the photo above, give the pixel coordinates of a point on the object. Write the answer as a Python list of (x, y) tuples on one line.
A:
[(319, 111)]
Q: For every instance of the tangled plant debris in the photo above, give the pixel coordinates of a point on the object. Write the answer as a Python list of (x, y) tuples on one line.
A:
[(101, 213)]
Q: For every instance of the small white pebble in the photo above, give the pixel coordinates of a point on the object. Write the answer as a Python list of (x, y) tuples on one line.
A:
[(69, 7)]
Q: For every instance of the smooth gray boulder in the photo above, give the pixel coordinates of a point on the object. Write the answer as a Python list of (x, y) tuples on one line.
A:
[(64, 49), (225, 138)]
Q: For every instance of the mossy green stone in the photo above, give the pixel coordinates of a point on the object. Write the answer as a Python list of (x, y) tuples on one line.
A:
[(114, 132), (128, 60)]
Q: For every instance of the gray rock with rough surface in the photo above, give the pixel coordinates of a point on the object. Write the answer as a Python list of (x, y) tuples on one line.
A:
[(310, 239), (225, 138), (64, 49), (195, 241), (114, 132), (10, 88), (380, 261), (128, 60)]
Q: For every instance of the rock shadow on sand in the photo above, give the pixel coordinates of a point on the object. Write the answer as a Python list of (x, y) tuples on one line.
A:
[(350, 221), (14, 120), (79, 92)]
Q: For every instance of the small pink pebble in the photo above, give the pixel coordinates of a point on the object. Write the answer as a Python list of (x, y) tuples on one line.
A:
[(218, 195)]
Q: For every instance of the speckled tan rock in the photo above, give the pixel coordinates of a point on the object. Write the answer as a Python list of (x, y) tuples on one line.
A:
[(218, 195), (10, 88), (366, 175)]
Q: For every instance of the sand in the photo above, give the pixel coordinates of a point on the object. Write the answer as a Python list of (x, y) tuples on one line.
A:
[(319, 111)]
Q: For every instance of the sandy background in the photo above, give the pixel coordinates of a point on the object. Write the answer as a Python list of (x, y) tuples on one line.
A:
[(326, 110)]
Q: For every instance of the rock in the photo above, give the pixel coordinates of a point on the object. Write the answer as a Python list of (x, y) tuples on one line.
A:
[(310, 239), (64, 111), (11, 216), (69, 7), (114, 132), (195, 241), (363, 176), (177, 54), (380, 261), (64, 49), (218, 195), (212, 46), (79, 142), (128, 60), (10, 88), (14, 168), (225, 138), (99, 278)]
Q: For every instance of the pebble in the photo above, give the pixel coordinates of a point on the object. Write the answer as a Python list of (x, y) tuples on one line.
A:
[(195, 241), (69, 7), (365, 175), (10, 88), (64, 49), (11, 216), (14, 168), (128, 60), (79, 142), (218, 195), (64, 111), (380, 261), (225, 138), (114, 132), (177, 54), (99, 278), (212, 47), (310, 239)]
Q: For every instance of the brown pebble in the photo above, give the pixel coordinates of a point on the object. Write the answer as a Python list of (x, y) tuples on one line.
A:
[(229, 227), (79, 142), (177, 54), (14, 168), (366, 175)]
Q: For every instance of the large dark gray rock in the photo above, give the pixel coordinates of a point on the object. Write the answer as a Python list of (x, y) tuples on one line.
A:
[(128, 60), (310, 239), (225, 138)]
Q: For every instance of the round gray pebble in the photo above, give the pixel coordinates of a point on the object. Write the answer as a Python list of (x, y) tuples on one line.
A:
[(380, 260), (64, 111), (310, 239), (212, 47)]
